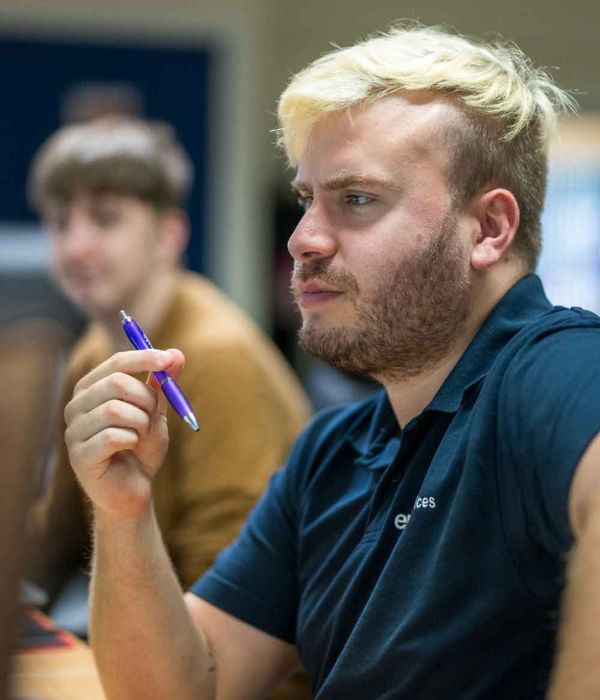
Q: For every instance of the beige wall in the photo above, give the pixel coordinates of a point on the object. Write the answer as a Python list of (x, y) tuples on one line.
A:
[(264, 41), (551, 32)]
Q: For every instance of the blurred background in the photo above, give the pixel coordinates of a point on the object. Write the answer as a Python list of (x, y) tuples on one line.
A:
[(214, 70)]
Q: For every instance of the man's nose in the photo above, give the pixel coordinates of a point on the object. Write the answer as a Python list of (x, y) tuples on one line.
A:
[(77, 240), (313, 237)]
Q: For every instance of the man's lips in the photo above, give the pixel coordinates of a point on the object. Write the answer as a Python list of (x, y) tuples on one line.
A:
[(82, 280), (84, 274), (315, 288), (312, 294)]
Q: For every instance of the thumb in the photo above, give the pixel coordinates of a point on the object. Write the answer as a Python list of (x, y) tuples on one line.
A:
[(174, 363)]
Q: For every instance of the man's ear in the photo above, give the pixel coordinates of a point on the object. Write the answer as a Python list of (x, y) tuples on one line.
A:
[(497, 214), (175, 234)]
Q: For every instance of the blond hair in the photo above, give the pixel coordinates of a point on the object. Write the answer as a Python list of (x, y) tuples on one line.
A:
[(510, 108), (116, 155)]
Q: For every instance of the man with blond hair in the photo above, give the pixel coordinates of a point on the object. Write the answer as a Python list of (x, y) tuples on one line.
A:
[(414, 545)]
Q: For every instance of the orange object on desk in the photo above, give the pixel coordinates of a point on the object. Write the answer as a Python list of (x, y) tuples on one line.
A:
[(51, 664)]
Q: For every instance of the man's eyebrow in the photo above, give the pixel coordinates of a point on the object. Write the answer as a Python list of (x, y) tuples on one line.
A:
[(343, 182)]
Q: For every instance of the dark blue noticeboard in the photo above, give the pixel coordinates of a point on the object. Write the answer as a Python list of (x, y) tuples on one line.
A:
[(36, 76)]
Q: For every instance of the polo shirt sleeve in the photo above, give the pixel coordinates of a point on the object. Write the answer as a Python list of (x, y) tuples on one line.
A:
[(549, 413), (254, 579)]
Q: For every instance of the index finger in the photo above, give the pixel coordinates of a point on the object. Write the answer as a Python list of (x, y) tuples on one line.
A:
[(130, 362)]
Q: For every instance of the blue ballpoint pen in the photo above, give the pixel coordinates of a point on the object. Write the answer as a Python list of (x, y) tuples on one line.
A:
[(168, 385)]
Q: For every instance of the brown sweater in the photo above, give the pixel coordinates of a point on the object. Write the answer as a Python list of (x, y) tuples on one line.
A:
[(250, 407)]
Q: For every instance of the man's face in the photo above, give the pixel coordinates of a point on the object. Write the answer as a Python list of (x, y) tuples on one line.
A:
[(381, 271), (104, 250)]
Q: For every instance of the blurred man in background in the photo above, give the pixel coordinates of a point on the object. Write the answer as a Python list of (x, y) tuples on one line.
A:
[(110, 193)]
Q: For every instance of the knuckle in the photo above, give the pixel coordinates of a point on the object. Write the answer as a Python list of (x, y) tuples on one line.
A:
[(112, 437), (146, 424), (118, 382), (68, 412), (147, 400), (150, 400), (113, 409), (119, 358), (109, 437), (78, 387), (69, 436)]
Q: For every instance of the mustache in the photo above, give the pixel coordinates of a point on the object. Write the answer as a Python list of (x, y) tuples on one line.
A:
[(321, 271)]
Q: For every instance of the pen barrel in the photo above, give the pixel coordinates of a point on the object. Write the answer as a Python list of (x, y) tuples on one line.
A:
[(174, 395), (167, 384), (136, 335)]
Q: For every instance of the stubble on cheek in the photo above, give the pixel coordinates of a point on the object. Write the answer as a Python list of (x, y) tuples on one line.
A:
[(409, 323)]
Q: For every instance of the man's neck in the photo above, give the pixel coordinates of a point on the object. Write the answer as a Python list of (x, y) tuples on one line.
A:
[(409, 397), (148, 308)]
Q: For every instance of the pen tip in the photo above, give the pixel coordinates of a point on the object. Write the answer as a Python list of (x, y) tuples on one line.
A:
[(190, 419), (122, 315)]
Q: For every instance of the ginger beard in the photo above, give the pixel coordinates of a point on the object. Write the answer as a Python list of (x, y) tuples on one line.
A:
[(410, 323)]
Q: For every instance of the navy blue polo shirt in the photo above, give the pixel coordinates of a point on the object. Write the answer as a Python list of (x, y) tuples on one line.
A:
[(428, 562)]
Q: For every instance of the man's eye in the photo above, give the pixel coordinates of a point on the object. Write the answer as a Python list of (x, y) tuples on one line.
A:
[(358, 200), (106, 218), (57, 224), (304, 202)]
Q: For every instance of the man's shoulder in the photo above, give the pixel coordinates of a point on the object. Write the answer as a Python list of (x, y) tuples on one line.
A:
[(227, 352), (203, 313), (89, 350), (562, 317), (560, 347), (567, 331), (216, 335), (196, 293)]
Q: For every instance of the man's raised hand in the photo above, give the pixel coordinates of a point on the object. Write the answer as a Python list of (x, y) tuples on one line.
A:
[(117, 430)]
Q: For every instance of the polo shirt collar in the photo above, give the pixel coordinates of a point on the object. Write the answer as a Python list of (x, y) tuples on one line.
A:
[(523, 303), (377, 442)]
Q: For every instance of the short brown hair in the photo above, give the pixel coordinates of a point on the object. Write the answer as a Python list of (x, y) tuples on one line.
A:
[(480, 157), (116, 155)]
